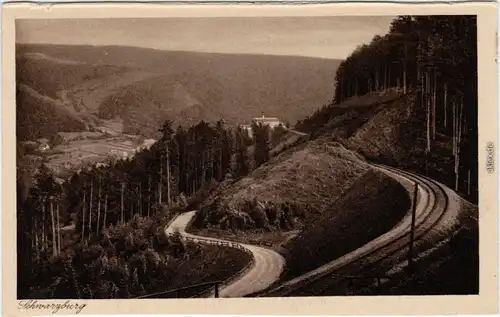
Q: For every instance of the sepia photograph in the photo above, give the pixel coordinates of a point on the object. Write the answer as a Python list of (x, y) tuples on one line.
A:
[(246, 157)]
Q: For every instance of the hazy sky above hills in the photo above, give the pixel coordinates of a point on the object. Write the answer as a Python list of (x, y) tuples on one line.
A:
[(326, 37)]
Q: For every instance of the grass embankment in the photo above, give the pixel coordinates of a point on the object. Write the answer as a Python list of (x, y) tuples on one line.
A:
[(371, 207), (391, 128), (285, 194), (395, 135), (132, 260)]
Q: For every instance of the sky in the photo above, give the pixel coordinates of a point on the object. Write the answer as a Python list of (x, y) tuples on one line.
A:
[(324, 37)]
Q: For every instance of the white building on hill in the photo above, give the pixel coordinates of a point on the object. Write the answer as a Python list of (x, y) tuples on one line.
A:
[(269, 121)]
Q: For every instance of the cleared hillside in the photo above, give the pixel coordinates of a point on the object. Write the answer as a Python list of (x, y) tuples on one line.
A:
[(396, 135), (389, 127), (287, 192)]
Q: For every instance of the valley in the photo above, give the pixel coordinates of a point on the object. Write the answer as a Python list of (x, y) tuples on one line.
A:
[(126, 93)]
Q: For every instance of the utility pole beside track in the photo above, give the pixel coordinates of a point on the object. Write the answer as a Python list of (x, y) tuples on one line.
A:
[(411, 268)]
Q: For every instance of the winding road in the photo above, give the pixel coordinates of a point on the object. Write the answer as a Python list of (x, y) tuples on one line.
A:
[(436, 211), (265, 270)]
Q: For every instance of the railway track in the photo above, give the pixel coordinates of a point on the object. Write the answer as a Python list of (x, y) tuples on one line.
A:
[(374, 259)]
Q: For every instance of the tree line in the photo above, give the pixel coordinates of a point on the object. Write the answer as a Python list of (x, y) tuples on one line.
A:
[(433, 56)]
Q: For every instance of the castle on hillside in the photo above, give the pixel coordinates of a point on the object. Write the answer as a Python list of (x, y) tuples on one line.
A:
[(271, 122)]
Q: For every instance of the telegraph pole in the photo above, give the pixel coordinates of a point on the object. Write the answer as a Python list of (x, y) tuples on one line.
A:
[(216, 290), (412, 230)]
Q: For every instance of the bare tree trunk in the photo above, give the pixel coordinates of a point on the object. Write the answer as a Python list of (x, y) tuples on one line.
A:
[(84, 212), (468, 182), (461, 121), (389, 82), (203, 169), (385, 77), (54, 242), (454, 124), (221, 171), (168, 176), (428, 112), (445, 105), (457, 154), (105, 210), (58, 231), (44, 226), (34, 234), (98, 206), (434, 107), (405, 89), (90, 207), (122, 207), (140, 199), (149, 195), (160, 182)]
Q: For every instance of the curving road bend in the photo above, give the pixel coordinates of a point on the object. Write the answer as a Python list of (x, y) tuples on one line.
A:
[(265, 270)]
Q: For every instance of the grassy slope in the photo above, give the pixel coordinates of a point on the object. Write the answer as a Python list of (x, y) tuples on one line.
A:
[(312, 173), (372, 206), (396, 135), (389, 128), (307, 177)]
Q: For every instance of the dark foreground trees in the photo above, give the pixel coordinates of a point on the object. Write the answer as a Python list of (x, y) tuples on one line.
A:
[(180, 165)]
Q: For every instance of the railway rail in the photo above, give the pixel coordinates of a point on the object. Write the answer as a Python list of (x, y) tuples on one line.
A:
[(378, 256), (350, 272)]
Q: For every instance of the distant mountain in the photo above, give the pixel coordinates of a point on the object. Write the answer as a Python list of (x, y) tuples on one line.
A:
[(145, 86)]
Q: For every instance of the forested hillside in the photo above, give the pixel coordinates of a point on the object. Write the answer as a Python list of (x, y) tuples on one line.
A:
[(145, 87), (105, 201), (433, 59)]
